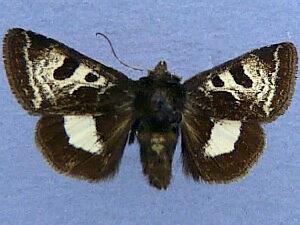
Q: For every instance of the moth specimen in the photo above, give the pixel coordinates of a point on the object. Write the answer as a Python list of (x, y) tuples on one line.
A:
[(90, 111)]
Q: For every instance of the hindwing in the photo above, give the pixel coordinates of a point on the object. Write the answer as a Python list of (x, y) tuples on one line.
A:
[(87, 147)]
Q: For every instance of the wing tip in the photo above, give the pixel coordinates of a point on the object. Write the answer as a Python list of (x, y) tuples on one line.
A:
[(290, 75), (13, 42)]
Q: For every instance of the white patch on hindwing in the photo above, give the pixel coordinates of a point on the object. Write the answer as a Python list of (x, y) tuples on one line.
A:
[(223, 136), (45, 87), (82, 133), (263, 82)]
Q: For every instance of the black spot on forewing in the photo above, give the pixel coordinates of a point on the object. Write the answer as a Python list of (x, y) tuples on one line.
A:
[(224, 100), (66, 70), (217, 82), (239, 76), (90, 77)]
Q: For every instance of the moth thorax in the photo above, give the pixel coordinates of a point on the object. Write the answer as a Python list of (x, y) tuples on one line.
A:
[(163, 110)]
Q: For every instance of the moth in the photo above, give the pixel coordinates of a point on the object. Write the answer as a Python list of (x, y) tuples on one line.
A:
[(89, 111)]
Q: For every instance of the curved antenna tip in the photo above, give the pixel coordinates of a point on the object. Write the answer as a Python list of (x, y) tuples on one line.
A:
[(114, 53)]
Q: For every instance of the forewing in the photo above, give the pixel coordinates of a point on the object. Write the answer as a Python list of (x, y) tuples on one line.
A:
[(87, 147), (156, 150), (219, 151), (48, 77), (255, 86)]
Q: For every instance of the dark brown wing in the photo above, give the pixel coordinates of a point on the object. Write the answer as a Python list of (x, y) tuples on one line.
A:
[(219, 151), (47, 77), (255, 86), (86, 147)]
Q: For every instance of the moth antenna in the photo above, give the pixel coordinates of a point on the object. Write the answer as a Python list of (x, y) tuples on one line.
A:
[(115, 55)]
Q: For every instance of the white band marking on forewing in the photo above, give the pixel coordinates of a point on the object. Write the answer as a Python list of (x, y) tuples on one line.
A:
[(263, 82), (267, 106), (223, 136), (78, 77), (82, 133), (45, 87), (37, 100)]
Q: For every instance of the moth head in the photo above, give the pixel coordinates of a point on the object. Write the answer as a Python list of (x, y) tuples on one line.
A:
[(160, 70)]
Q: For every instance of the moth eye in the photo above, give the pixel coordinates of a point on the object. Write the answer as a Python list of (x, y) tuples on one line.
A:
[(90, 77)]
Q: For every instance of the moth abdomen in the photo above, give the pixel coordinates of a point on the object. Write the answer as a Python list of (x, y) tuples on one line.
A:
[(157, 149)]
